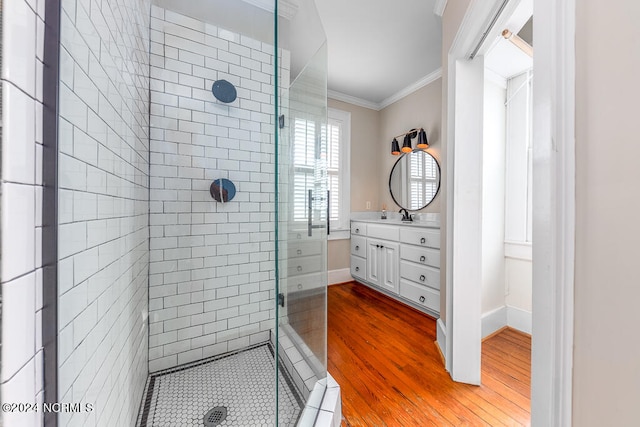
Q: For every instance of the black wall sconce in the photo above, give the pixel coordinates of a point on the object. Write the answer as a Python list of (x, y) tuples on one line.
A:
[(406, 143)]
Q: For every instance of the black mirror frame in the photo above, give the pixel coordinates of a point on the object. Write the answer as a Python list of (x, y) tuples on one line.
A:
[(439, 179)]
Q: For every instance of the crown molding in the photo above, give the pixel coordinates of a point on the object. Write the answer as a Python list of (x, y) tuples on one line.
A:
[(286, 8), (339, 96), (430, 78), (438, 8)]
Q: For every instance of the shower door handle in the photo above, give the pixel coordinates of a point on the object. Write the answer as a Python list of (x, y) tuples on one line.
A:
[(310, 225), (328, 211)]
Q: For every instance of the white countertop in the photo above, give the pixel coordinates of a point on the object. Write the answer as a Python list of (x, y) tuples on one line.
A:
[(431, 220)]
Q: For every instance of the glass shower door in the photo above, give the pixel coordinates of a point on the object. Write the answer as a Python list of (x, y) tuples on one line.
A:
[(303, 203)]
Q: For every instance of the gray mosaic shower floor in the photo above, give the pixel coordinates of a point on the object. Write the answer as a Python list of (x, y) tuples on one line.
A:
[(242, 382)]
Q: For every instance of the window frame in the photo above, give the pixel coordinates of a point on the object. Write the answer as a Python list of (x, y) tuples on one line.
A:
[(342, 229)]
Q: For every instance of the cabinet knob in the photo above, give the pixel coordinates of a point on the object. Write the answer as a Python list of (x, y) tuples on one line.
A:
[(377, 246), (299, 268), (381, 247), (357, 248), (422, 298), (357, 268), (423, 240), (299, 285), (299, 251), (357, 231), (422, 277), (423, 258)]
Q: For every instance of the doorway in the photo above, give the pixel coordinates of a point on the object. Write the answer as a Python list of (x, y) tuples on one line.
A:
[(553, 201)]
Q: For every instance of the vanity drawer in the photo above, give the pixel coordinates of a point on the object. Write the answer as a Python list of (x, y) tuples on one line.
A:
[(420, 236), (297, 249), (358, 267), (383, 231), (305, 282), (304, 265), (297, 235), (420, 274), (359, 246), (359, 228), (420, 295), (420, 255)]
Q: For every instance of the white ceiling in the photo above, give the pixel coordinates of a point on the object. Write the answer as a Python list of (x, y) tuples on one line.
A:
[(380, 48)]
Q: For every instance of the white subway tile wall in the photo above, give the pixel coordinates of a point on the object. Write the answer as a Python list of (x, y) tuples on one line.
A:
[(212, 271), (22, 350), (103, 209)]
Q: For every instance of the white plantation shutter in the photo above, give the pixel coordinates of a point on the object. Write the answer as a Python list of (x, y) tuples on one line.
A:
[(310, 167), (303, 165), (333, 169), (423, 181)]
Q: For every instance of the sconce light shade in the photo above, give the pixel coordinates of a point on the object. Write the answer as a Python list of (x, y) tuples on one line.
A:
[(406, 144), (395, 147), (422, 140)]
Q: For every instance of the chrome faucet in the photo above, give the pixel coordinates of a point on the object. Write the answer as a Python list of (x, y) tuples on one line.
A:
[(405, 215)]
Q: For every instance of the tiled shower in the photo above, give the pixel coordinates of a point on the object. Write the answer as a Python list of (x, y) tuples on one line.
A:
[(154, 282)]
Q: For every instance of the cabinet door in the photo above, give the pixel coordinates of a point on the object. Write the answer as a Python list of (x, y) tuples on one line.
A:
[(390, 260), (374, 255)]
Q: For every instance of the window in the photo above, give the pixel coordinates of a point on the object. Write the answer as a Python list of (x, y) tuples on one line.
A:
[(518, 190), (321, 163)]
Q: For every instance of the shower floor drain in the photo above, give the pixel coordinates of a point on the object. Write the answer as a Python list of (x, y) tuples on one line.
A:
[(215, 416)]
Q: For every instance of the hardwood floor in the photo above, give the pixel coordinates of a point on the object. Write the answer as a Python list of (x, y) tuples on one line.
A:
[(382, 353)]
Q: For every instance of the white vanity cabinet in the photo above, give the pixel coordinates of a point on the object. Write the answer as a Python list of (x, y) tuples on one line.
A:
[(382, 264), (403, 261)]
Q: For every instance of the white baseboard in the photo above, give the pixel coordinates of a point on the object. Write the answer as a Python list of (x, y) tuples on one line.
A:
[(441, 338), (339, 276), (494, 321), (519, 319), (513, 317)]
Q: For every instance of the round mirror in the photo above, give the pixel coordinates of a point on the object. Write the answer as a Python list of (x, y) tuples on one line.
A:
[(414, 180)]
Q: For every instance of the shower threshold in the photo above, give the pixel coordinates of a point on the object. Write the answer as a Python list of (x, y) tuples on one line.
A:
[(242, 382)]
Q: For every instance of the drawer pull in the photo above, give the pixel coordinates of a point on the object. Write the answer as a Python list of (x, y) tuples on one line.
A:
[(422, 277), (299, 268), (357, 268), (357, 248), (357, 231), (423, 258), (423, 240), (422, 298), (299, 251)]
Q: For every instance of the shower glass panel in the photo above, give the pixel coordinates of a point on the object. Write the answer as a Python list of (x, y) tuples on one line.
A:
[(303, 201), (192, 203)]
